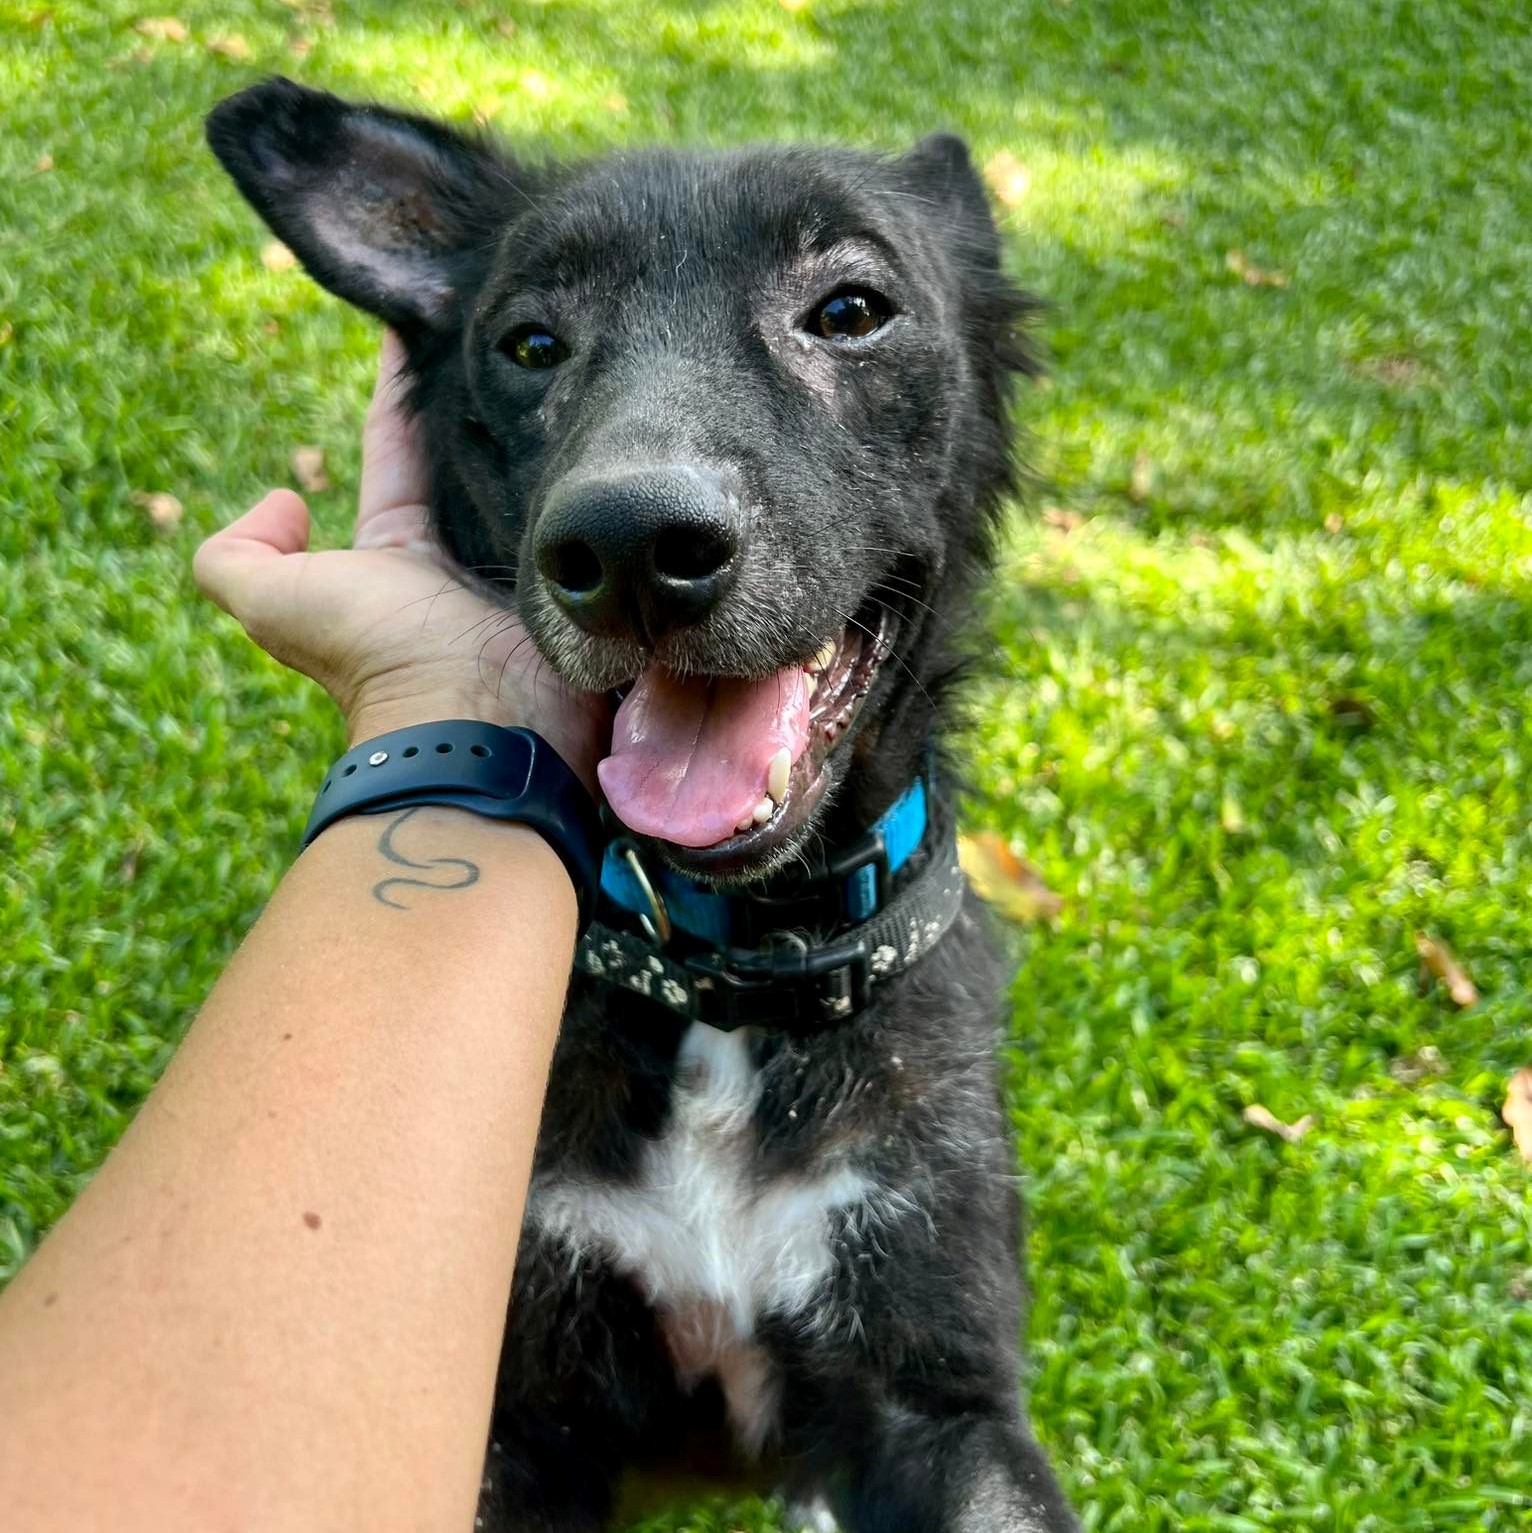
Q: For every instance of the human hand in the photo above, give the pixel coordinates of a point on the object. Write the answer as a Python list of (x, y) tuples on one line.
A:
[(386, 627)]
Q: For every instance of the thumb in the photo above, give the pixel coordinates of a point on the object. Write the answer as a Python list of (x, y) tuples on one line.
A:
[(231, 561)]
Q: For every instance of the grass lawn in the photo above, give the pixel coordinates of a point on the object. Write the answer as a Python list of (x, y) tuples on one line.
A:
[(1259, 710)]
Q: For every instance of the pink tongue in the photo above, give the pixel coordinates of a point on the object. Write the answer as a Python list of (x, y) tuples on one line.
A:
[(690, 756)]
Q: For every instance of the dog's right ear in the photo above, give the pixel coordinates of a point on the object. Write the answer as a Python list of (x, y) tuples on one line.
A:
[(389, 211)]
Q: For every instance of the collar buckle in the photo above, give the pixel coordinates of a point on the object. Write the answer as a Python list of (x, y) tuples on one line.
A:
[(740, 989)]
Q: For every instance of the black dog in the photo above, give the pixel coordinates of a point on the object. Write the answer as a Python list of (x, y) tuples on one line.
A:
[(740, 422)]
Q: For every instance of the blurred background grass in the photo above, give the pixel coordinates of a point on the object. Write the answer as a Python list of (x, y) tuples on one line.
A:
[(1259, 702)]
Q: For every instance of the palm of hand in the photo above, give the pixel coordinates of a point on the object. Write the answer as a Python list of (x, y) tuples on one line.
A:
[(386, 627)]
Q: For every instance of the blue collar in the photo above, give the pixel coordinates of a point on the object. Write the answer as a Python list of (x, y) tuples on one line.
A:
[(855, 885)]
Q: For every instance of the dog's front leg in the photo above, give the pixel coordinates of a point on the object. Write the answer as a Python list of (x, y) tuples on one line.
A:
[(968, 1473), (901, 1403), (543, 1477)]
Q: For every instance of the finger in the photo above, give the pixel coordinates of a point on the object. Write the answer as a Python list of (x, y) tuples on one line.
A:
[(391, 506), (228, 562)]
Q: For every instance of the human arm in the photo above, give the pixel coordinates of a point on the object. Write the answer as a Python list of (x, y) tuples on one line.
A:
[(278, 1305)]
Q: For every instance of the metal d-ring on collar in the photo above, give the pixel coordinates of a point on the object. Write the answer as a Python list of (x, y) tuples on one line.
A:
[(803, 961), (798, 983), (850, 884), (655, 921)]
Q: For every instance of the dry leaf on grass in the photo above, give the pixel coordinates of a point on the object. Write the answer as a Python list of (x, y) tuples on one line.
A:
[(1062, 519), (1517, 1111), (127, 870), (1141, 477), (164, 29), (309, 469), (43, 163), (1014, 887), (1251, 274), (615, 102), (1008, 178), (1409, 1069), (1335, 523), (161, 507), (232, 47), (1395, 370), (277, 257), (1263, 1118), (1436, 958)]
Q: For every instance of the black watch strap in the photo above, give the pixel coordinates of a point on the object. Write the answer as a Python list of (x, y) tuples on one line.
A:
[(503, 774)]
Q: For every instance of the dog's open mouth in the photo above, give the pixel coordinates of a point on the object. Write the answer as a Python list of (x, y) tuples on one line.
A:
[(729, 767)]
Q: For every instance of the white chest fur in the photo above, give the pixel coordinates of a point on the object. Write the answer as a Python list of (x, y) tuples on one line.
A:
[(711, 1245)]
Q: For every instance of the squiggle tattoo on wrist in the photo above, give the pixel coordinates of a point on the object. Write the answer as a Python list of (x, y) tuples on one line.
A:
[(468, 871)]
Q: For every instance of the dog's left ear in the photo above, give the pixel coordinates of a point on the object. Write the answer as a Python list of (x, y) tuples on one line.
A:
[(939, 169), (391, 212)]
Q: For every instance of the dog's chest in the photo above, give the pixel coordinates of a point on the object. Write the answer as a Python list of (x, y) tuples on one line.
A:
[(713, 1245)]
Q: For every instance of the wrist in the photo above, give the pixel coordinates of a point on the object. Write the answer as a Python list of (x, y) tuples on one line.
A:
[(466, 858), (370, 717), (502, 772)]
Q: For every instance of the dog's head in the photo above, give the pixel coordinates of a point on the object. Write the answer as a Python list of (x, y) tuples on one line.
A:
[(729, 430)]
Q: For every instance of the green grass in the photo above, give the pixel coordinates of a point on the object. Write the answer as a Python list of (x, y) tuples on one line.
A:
[(1259, 716)]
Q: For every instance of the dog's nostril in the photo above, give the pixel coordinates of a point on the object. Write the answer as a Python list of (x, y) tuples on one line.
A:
[(640, 553), (574, 566), (691, 553)]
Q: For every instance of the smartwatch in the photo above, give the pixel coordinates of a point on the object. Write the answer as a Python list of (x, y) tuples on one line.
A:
[(502, 774)]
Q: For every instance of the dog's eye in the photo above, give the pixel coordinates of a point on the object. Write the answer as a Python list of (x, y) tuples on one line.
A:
[(532, 347), (849, 314)]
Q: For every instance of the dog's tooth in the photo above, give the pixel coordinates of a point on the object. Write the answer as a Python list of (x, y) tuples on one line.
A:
[(813, 681), (777, 774), (745, 824), (823, 656), (763, 811)]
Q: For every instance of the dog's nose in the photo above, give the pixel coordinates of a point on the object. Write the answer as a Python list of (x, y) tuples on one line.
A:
[(642, 553)]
